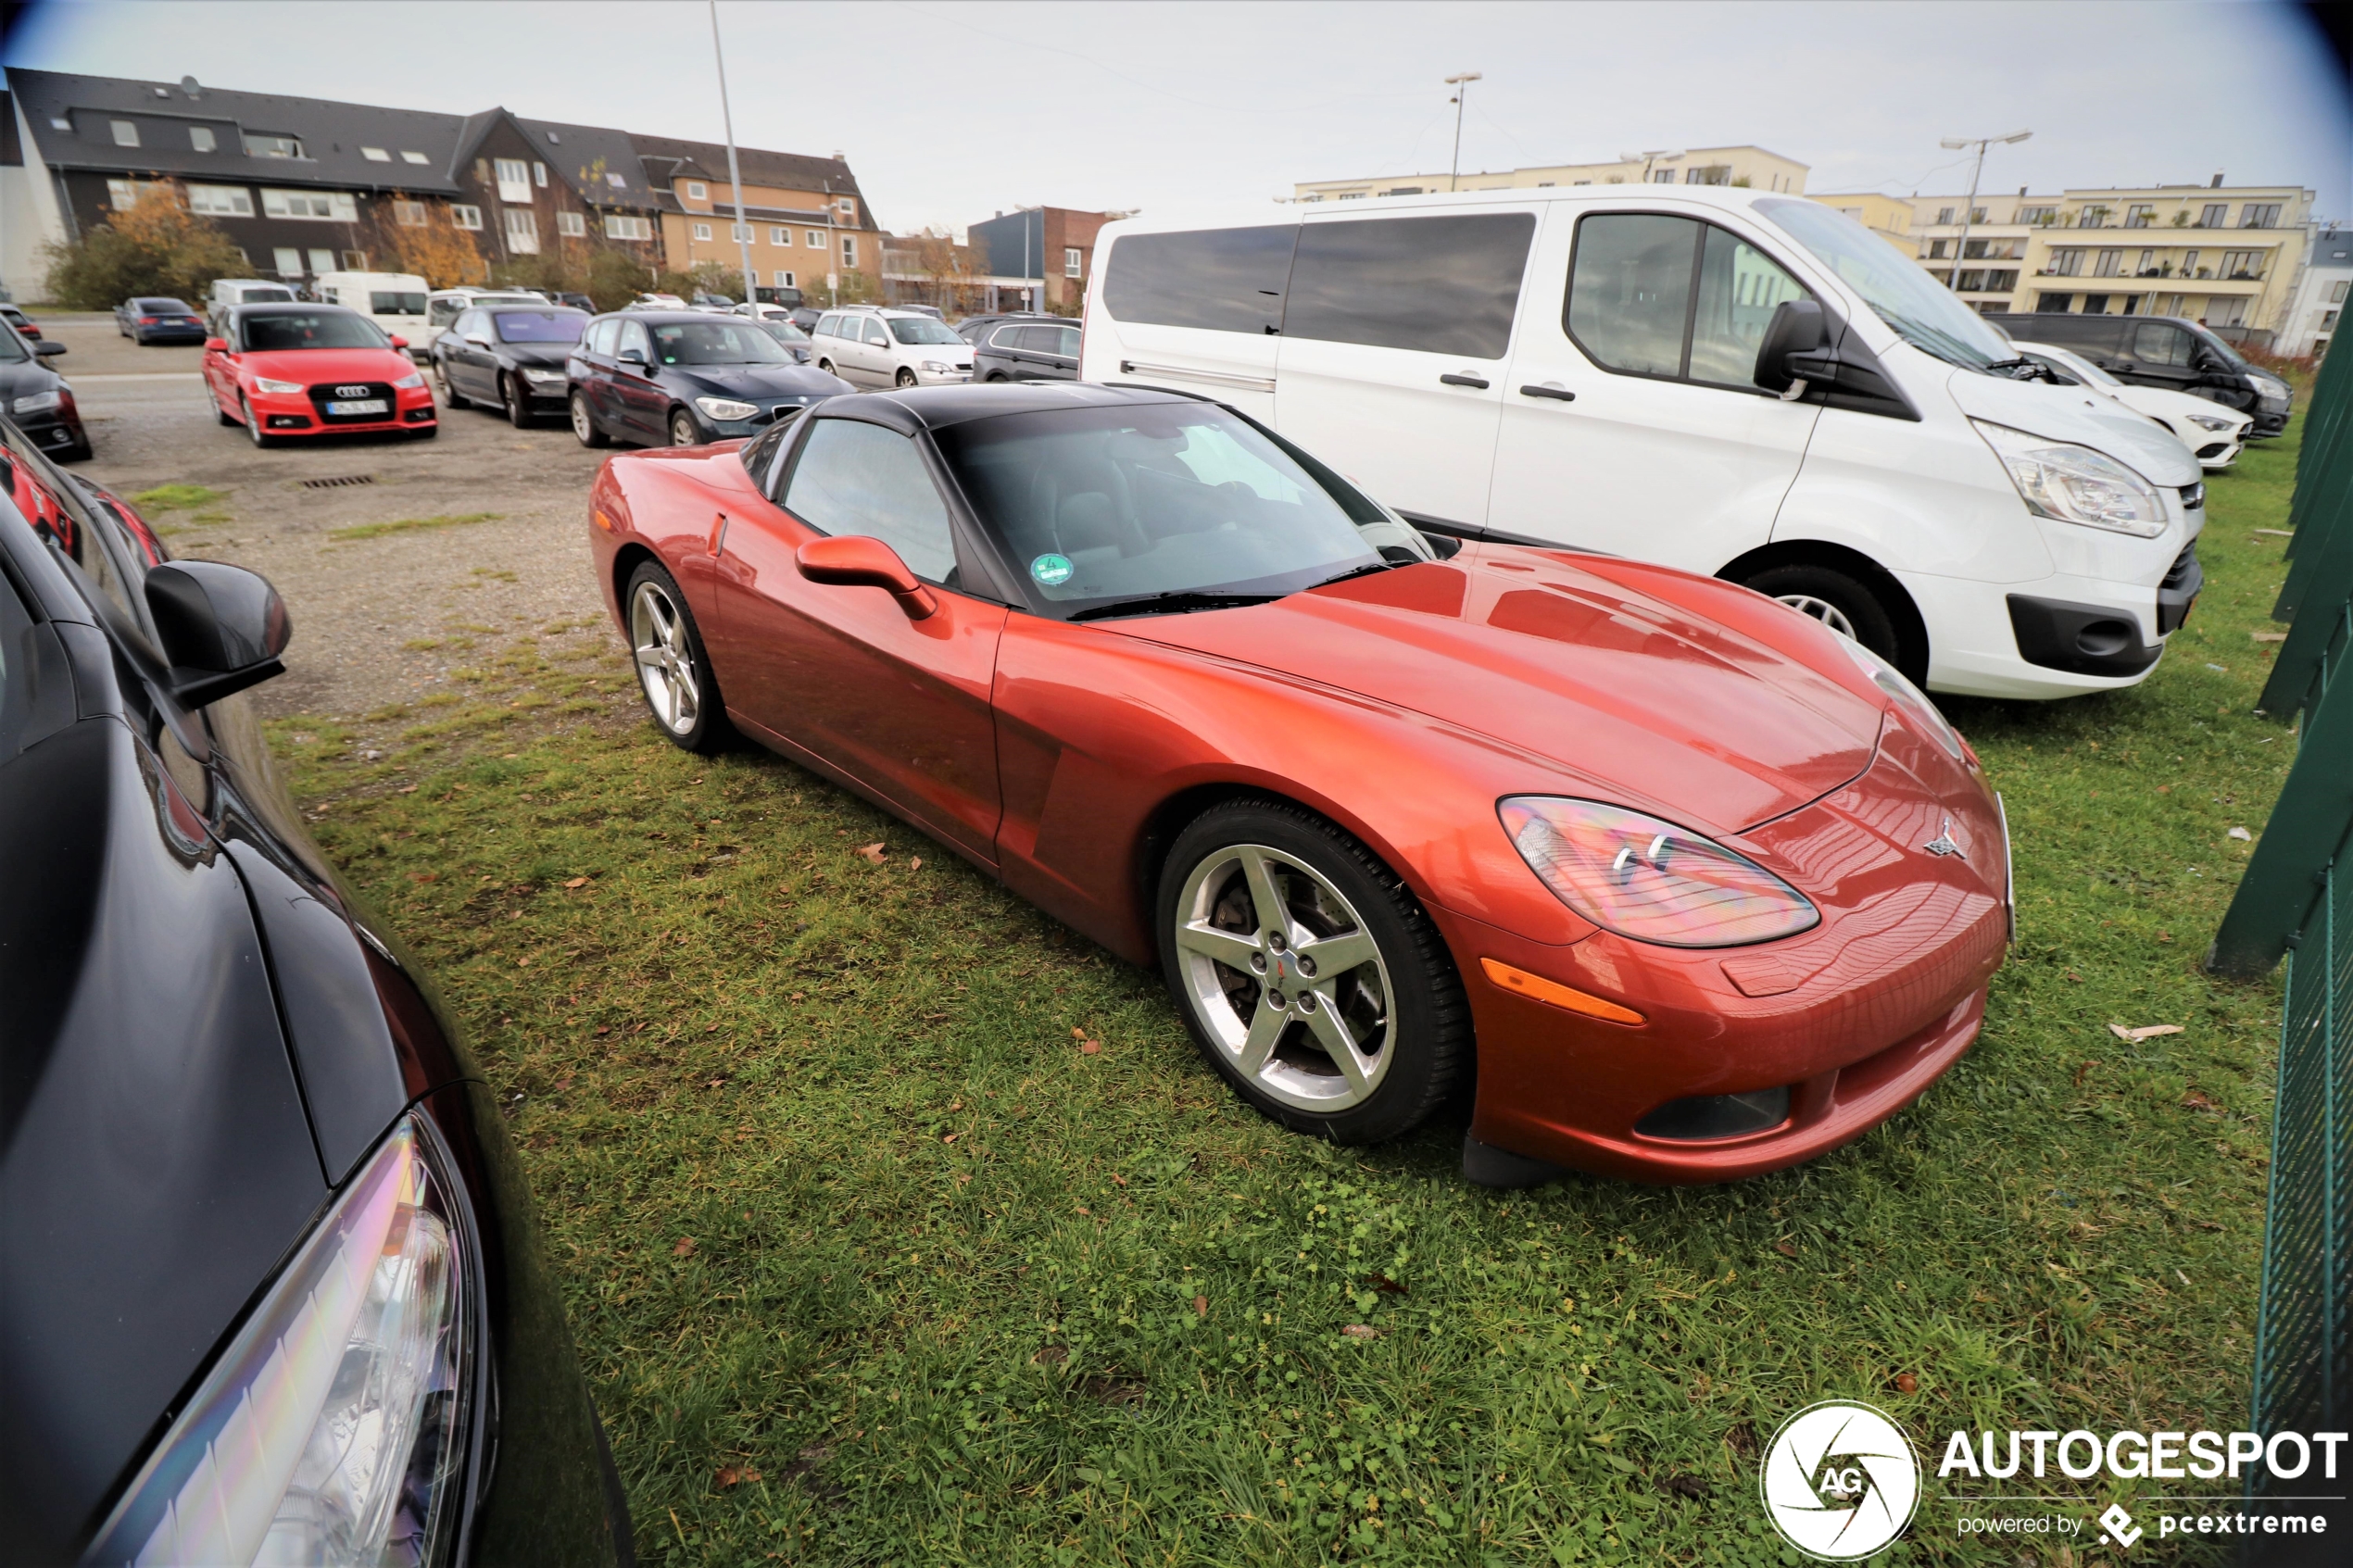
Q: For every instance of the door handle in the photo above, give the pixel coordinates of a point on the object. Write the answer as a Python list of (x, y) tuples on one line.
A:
[(1560, 394), (1478, 382)]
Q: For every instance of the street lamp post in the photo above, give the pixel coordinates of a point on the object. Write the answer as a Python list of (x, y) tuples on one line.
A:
[(735, 178), (1981, 143), (1461, 84)]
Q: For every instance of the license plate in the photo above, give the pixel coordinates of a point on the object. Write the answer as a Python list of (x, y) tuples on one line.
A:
[(369, 406)]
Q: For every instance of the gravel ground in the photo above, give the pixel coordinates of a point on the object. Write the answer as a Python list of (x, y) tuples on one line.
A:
[(379, 622)]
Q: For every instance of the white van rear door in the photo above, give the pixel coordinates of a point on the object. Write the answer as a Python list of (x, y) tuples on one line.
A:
[(1395, 338), (1631, 421), (1195, 311)]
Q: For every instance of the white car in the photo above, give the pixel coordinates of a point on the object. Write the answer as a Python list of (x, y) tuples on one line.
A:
[(1737, 383), (394, 301), (445, 306), (659, 302), (2213, 433), (867, 345)]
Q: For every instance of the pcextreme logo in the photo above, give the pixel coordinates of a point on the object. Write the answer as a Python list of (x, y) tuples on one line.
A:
[(1840, 1481)]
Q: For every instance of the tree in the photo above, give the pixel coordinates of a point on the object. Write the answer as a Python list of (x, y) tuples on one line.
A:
[(434, 249), (156, 246)]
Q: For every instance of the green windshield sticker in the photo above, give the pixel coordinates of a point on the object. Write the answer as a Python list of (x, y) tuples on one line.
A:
[(1052, 571)]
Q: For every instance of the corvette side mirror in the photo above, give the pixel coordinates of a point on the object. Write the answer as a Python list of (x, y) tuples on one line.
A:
[(856, 560), (222, 626)]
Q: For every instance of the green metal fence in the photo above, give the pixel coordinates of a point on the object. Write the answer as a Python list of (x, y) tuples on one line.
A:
[(2297, 901)]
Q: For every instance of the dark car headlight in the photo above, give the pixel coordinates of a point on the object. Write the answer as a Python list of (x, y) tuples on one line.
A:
[(332, 1429)]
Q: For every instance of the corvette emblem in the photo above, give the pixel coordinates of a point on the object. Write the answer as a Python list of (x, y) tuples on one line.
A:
[(1943, 842)]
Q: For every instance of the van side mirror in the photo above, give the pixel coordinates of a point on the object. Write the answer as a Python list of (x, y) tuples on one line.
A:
[(856, 560), (1797, 327), (222, 626)]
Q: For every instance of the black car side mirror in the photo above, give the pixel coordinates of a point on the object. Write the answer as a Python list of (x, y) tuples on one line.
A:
[(222, 626), (631, 356), (1797, 327), (48, 350)]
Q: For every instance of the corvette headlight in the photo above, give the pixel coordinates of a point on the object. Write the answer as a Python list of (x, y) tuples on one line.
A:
[(1909, 697), (39, 402), (1648, 879), (2211, 421), (2073, 483), (332, 1429), (542, 377), (727, 409), (410, 382), (263, 384)]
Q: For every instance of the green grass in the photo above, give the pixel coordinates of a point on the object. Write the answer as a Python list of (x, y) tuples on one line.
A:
[(176, 497), (408, 526), (869, 1262)]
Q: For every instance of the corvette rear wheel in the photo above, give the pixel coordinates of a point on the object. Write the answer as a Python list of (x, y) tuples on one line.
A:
[(1309, 974), (672, 669)]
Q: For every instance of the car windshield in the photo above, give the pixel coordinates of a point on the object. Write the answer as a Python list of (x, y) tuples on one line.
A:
[(1922, 312), (539, 326), (716, 343), (268, 334), (922, 329), (2219, 348), (1105, 506), (267, 297), (163, 307)]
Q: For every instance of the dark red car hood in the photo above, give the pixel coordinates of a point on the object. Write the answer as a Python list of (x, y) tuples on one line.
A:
[(1661, 705)]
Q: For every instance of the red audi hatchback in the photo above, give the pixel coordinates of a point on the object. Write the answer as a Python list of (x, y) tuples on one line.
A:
[(1689, 886), (313, 370)]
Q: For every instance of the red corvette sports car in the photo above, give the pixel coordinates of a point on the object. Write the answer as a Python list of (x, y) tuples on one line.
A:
[(313, 370), (1689, 886)]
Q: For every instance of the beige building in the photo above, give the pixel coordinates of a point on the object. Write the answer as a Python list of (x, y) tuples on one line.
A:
[(1751, 168), (1891, 216), (806, 219)]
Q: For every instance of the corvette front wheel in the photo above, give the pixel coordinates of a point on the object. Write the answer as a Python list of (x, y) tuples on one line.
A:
[(1309, 974), (672, 669)]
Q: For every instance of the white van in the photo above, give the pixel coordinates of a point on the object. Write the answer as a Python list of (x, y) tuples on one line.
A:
[(1743, 384), (395, 300)]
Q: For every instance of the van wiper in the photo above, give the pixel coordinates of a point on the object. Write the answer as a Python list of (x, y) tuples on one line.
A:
[(1174, 601), (2020, 368)]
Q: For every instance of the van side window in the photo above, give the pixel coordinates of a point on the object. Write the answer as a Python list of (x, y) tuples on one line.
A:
[(1222, 280), (1440, 285), (1738, 288), (1655, 295), (2161, 343)]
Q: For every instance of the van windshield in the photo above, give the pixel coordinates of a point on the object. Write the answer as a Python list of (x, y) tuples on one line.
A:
[(1923, 314)]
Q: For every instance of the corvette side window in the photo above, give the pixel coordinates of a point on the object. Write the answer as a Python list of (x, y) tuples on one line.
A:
[(857, 478)]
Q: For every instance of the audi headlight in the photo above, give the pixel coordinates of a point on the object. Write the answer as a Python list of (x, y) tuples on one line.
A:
[(727, 409), (2056, 478), (263, 384), (1908, 698), (332, 1428), (1648, 879), (409, 383), (2211, 421), (40, 402), (542, 377)]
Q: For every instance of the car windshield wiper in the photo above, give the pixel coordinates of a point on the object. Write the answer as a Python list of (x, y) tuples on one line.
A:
[(2020, 368), (1358, 572), (1174, 601)]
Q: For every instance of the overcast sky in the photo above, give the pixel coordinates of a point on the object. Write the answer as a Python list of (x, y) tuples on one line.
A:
[(949, 112)]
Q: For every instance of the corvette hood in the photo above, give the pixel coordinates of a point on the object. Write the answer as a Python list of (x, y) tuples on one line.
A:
[(1659, 706)]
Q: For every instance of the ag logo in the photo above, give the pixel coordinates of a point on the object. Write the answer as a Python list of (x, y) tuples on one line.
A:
[(1840, 1481)]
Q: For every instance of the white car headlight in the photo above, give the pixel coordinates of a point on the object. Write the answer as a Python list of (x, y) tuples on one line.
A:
[(263, 384), (39, 402), (937, 366), (2058, 479), (408, 382), (727, 409), (2211, 421), (332, 1430), (542, 377)]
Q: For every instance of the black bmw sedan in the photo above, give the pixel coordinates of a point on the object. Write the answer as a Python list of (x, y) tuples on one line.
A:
[(38, 399), (507, 357), (270, 1287), (681, 378)]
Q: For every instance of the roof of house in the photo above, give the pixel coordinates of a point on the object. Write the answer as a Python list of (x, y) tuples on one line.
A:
[(722, 207), (669, 158), (598, 162), (331, 135)]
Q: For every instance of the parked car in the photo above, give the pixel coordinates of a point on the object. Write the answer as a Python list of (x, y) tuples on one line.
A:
[(445, 306), (25, 325), (2170, 353), (784, 294), (39, 399), (228, 292), (971, 328), (157, 319), (396, 300), (1027, 348), (509, 358), (682, 378), (303, 1310), (306, 370), (876, 346), (2212, 432), (931, 310), (705, 300), (656, 302), (805, 317), (796, 342), (576, 301), (1588, 832), (1613, 368)]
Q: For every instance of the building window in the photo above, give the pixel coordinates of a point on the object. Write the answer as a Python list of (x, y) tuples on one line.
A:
[(702, 231), (2328, 320), (849, 250), (2095, 305), (514, 180), (1074, 259), (2053, 304), (623, 226), (1993, 308), (221, 200), (2036, 215), (322, 261), (2226, 312), (780, 235), (785, 279), (321, 206), (1944, 215), (523, 231), (124, 195), (2267, 216), (617, 180), (465, 216), (1710, 174), (816, 238), (2336, 292), (739, 232), (272, 146), (2246, 264), (2111, 264), (2214, 216), (1973, 281), (2067, 263), (408, 156), (2001, 280), (376, 154), (1662, 177), (288, 260), (571, 225), (126, 134), (2139, 214), (1938, 249), (697, 190), (200, 138), (408, 215), (355, 261), (846, 207), (539, 175)]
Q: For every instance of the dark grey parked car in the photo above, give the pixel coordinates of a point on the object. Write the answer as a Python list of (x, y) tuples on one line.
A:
[(1027, 348), (509, 358)]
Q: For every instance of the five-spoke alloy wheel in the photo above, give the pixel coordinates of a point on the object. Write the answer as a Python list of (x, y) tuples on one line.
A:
[(584, 423), (672, 669)]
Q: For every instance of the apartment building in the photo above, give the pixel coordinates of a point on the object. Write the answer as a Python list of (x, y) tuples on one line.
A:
[(2310, 320), (807, 220), (1750, 167), (1048, 253)]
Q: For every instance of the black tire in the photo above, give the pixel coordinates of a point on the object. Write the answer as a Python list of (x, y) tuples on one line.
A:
[(708, 730), (995, 376), (1419, 1031), (584, 423), (906, 377), (450, 397), (1830, 596), (682, 429), (252, 422), (80, 452), (518, 406), (827, 366), (220, 414)]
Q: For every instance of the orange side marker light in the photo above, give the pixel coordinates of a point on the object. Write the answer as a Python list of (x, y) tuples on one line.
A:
[(1558, 994)]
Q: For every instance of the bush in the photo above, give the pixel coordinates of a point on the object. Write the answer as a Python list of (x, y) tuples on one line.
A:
[(610, 276), (156, 246)]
